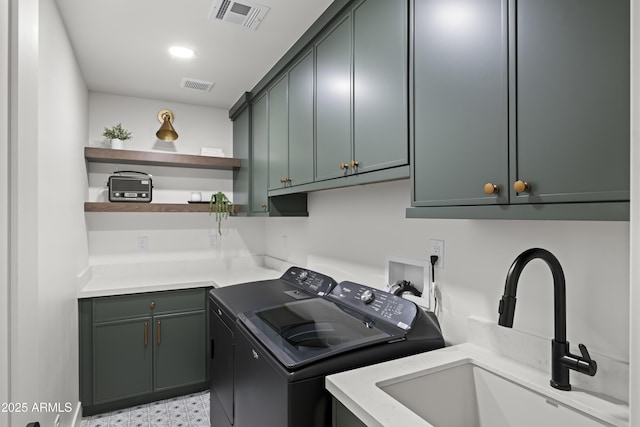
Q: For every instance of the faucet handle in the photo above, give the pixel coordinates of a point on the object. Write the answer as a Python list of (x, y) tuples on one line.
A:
[(592, 366), (584, 352)]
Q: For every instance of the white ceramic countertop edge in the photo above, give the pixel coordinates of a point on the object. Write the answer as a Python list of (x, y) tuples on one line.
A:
[(357, 389)]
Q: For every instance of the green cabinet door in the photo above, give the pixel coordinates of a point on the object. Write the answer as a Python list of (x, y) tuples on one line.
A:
[(180, 352), (460, 106), (278, 120), (570, 104), (241, 144), (301, 121), (122, 359), (380, 85), (343, 417), (333, 101), (259, 156)]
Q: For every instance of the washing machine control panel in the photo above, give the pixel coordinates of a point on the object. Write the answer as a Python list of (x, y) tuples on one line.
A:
[(376, 304), (309, 280)]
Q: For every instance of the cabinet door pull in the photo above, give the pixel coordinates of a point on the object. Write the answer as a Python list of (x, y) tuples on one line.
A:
[(344, 166), (521, 186), (354, 164), (158, 332), (490, 189), (146, 333)]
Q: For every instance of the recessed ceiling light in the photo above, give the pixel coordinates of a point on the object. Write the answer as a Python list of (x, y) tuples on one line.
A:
[(181, 52)]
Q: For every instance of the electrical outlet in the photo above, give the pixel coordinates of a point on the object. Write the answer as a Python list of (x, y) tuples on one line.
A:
[(143, 244), (436, 247)]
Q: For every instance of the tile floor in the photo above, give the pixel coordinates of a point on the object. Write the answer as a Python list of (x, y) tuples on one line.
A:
[(185, 411)]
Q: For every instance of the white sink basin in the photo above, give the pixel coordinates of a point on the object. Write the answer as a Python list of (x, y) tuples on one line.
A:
[(463, 394), (465, 385)]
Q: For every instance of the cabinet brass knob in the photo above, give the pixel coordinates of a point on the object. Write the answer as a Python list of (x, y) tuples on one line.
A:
[(264, 206), (490, 188), (283, 180), (289, 180), (354, 164), (521, 186), (344, 166), (152, 304)]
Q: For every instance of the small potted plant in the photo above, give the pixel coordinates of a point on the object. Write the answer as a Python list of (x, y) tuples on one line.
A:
[(222, 206), (117, 134)]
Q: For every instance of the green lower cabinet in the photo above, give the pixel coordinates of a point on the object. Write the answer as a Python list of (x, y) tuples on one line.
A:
[(122, 360), (136, 349), (179, 345), (342, 417)]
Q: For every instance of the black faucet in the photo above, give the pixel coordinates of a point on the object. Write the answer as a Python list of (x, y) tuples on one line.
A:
[(561, 358)]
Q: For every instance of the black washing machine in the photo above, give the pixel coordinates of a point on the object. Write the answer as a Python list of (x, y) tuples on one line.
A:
[(283, 351), (227, 304)]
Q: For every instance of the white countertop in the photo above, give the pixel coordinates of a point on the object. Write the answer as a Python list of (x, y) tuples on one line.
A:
[(358, 391), (129, 278)]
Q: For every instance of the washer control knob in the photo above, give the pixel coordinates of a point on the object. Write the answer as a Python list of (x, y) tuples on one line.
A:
[(303, 275), (367, 296)]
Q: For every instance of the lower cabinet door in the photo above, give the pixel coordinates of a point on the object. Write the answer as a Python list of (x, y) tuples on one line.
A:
[(180, 347), (122, 358)]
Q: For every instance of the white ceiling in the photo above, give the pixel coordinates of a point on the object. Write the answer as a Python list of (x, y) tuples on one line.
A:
[(121, 46)]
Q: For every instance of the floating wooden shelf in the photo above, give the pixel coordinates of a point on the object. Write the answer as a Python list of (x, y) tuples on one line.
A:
[(148, 207), (108, 155)]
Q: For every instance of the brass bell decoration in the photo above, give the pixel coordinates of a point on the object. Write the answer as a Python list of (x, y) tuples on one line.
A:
[(166, 131)]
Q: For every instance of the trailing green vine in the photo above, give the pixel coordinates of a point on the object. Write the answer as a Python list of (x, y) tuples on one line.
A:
[(222, 206)]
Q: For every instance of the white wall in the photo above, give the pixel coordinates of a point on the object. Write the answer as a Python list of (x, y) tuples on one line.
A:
[(48, 242), (196, 126), (62, 132), (23, 281), (367, 223), (113, 237), (4, 207), (634, 300)]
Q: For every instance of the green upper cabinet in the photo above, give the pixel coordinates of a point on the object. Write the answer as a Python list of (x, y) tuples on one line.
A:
[(291, 126), (362, 91), (336, 106), (527, 94), (301, 121), (241, 144), (333, 101), (278, 134), (571, 82), (460, 118), (380, 85), (259, 155)]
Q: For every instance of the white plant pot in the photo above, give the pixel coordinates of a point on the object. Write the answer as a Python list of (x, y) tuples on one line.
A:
[(117, 144)]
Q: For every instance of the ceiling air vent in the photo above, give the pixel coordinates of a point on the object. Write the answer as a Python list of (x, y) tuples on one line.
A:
[(242, 12), (200, 85)]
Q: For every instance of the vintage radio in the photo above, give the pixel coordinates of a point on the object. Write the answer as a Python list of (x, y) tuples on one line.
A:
[(130, 188)]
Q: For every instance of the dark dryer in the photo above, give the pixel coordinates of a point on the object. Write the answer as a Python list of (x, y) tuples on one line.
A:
[(270, 360)]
